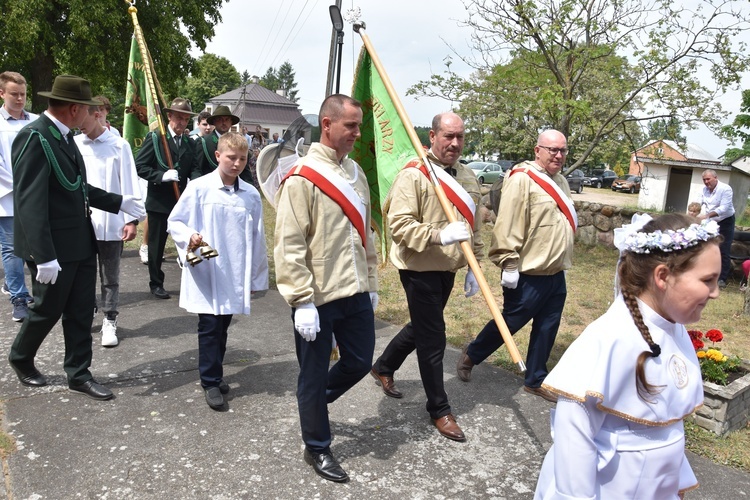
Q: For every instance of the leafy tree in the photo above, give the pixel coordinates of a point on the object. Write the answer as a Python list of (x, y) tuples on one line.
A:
[(739, 130), (44, 38), (593, 68), (663, 128), (286, 74), (281, 79), (424, 135), (212, 75), (270, 80), (245, 78)]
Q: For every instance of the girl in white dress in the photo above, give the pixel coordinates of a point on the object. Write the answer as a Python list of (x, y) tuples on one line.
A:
[(625, 385)]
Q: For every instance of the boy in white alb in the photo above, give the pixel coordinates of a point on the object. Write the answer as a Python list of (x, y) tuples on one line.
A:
[(109, 166), (224, 211)]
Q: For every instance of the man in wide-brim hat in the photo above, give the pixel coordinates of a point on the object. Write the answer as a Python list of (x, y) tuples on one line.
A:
[(153, 166), (222, 119), (54, 235)]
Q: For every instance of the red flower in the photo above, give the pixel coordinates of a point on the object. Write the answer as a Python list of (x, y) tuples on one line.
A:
[(714, 335), (697, 343), (695, 334)]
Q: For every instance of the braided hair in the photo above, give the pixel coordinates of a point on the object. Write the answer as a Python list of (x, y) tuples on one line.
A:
[(635, 278)]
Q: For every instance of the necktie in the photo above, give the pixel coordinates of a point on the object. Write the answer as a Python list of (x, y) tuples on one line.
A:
[(178, 141)]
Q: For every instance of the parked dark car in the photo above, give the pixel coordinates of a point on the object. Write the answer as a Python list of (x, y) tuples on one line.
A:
[(600, 178), (627, 183), (575, 181), (506, 164)]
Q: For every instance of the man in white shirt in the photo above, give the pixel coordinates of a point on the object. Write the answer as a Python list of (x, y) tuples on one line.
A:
[(109, 166), (716, 204), (13, 117)]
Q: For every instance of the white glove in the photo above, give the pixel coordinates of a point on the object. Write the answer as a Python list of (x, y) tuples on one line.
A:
[(170, 175), (453, 232), (510, 279), (471, 286), (374, 299), (47, 272), (133, 206), (307, 321)]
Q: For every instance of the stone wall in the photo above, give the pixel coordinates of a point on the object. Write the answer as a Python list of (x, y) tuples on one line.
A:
[(597, 222)]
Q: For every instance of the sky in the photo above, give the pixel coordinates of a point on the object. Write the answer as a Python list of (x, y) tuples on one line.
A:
[(410, 37)]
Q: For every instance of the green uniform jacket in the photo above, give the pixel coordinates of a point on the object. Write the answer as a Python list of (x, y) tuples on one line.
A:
[(151, 163), (206, 153), (52, 217)]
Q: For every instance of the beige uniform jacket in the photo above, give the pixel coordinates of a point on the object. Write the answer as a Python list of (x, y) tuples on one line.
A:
[(531, 233), (318, 253), (415, 219)]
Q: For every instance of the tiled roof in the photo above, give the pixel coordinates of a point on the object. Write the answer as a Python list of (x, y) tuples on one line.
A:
[(261, 106), (254, 93)]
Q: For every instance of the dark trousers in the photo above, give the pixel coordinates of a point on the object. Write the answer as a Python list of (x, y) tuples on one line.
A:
[(539, 299), (72, 297), (353, 321), (726, 229), (212, 345), (157, 240), (427, 293)]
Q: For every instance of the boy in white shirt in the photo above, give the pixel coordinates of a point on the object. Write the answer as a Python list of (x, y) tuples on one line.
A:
[(224, 211), (109, 166)]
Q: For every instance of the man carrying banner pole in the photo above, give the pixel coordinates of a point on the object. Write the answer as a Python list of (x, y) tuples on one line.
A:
[(405, 123), (427, 258)]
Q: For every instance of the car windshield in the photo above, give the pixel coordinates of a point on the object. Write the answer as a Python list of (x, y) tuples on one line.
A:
[(476, 166), (627, 177)]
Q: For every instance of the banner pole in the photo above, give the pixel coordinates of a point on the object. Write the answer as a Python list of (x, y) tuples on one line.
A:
[(447, 208), (147, 69)]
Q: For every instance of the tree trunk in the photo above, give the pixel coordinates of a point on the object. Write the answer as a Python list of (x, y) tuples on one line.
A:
[(747, 301), (42, 68)]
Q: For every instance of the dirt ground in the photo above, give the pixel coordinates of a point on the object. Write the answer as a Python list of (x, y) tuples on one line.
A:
[(593, 195), (607, 197)]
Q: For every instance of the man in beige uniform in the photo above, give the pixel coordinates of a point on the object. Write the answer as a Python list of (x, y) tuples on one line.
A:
[(326, 267), (427, 254), (533, 243)]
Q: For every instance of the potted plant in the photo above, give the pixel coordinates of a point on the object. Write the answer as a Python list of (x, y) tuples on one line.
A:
[(726, 382)]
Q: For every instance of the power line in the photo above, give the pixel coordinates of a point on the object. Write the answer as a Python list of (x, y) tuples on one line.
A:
[(265, 56), (279, 57), (263, 50), (276, 57)]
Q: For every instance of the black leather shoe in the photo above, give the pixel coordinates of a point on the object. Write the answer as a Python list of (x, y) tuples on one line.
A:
[(31, 378), (326, 466), (92, 389), (160, 293), (214, 398), (224, 387)]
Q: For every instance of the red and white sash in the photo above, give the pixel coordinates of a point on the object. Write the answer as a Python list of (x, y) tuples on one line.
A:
[(453, 190), (563, 202), (339, 190)]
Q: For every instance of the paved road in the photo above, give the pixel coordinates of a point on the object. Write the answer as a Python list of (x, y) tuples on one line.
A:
[(159, 440)]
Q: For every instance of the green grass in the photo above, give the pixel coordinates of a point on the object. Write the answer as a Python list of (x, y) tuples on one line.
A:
[(590, 292)]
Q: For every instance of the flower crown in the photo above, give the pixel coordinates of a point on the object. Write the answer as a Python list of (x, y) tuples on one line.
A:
[(670, 240)]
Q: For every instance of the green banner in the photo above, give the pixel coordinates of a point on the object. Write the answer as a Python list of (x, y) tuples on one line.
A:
[(384, 146), (140, 114)]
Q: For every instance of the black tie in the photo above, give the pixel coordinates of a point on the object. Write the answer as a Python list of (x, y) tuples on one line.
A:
[(178, 141)]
